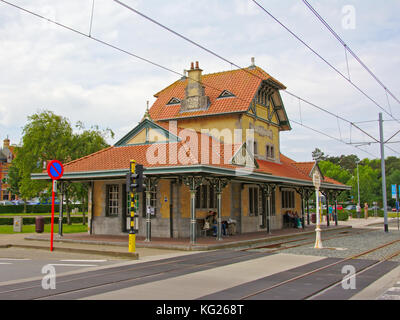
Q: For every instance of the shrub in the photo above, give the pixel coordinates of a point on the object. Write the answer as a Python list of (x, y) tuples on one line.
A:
[(47, 220), (343, 215), (38, 208)]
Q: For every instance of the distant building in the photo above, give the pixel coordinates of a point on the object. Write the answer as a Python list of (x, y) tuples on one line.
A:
[(6, 157), (210, 142)]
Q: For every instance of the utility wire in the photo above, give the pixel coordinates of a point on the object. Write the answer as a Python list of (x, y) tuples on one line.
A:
[(157, 64), (239, 67), (322, 58), (331, 137), (347, 47)]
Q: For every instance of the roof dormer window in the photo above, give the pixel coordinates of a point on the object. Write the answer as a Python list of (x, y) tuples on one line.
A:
[(173, 101), (226, 94)]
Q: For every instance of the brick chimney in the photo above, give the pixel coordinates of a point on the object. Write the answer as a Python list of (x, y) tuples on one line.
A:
[(6, 143), (195, 98)]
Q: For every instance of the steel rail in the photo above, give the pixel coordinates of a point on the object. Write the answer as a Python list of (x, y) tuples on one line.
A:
[(318, 269), (322, 291), (101, 275)]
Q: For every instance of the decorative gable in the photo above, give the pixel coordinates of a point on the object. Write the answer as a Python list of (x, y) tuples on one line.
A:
[(244, 157), (268, 99), (147, 132), (316, 168)]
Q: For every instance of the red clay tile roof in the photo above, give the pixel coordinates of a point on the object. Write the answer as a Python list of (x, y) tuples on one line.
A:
[(282, 169), (306, 168), (241, 82), (114, 158)]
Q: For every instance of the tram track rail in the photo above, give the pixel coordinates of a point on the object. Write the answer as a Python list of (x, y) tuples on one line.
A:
[(315, 294), (357, 273), (100, 275), (96, 275), (137, 267)]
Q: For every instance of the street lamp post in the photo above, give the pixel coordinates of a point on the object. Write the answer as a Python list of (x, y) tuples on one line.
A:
[(358, 185), (317, 184)]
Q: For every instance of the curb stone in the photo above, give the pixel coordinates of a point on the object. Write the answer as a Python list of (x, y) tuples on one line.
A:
[(189, 247), (131, 255)]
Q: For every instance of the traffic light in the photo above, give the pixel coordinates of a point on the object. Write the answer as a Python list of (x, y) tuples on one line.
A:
[(135, 177), (139, 178)]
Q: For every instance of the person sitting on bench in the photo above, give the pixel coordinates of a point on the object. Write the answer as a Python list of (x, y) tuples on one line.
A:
[(294, 217), (214, 222)]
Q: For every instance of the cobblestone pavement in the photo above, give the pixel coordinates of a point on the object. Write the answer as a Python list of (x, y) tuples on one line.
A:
[(346, 245)]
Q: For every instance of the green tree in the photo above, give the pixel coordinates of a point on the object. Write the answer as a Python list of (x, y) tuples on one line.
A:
[(334, 171), (369, 184), (48, 136), (84, 142)]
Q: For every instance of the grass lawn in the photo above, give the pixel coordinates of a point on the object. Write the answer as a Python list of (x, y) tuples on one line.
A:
[(74, 228)]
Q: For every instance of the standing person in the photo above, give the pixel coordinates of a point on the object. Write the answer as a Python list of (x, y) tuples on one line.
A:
[(330, 213), (366, 210), (358, 210)]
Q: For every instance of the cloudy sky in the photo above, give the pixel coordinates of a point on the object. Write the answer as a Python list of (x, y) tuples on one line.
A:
[(44, 66)]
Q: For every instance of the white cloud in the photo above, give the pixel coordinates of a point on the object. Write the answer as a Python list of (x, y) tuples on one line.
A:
[(48, 67)]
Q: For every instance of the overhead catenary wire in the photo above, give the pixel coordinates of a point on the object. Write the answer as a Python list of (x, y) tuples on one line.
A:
[(331, 137), (141, 58), (325, 23), (237, 66), (321, 57)]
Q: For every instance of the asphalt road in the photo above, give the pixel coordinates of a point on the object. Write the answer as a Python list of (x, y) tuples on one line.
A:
[(222, 274), (17, 269)]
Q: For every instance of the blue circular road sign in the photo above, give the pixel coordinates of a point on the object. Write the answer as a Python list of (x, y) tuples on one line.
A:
[(55, 169)]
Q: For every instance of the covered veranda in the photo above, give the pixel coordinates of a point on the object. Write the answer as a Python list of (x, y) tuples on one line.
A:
[(218, 178)]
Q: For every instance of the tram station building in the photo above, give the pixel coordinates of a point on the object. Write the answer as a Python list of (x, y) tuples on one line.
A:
[(210, 142)]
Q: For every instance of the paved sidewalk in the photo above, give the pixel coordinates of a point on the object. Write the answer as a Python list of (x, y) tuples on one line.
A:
[(202, 243), (118, 245), (18, 241), (371, 222)]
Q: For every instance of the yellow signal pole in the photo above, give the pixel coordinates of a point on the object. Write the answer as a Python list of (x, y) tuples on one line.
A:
[(132, 209)]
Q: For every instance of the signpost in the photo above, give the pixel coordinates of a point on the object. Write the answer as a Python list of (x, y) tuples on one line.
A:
[(55, 170), (317, 184)]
